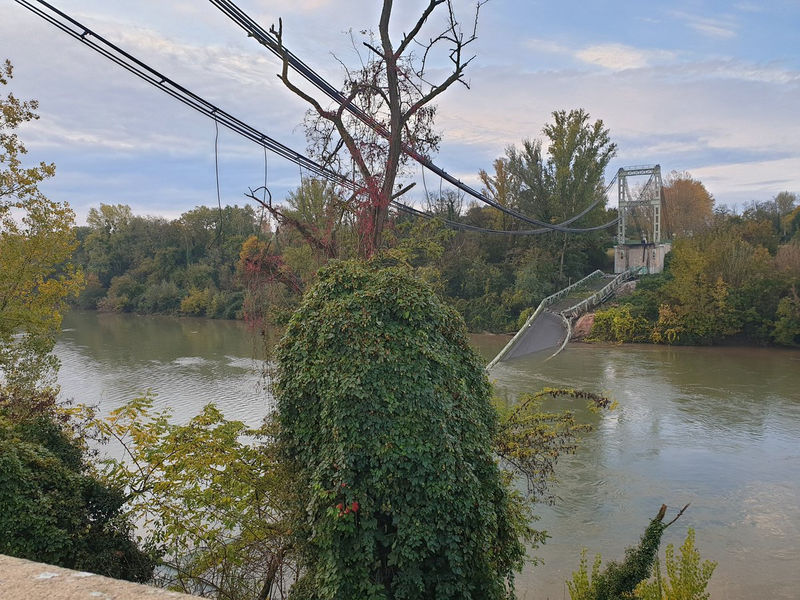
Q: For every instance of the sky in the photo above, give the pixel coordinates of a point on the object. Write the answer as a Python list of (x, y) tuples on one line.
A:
[(711, 88)]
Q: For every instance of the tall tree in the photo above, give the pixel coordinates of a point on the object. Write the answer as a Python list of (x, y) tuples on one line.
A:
[(394, 88), (571, 178), (36, 242), (501, 188), (688, 206)]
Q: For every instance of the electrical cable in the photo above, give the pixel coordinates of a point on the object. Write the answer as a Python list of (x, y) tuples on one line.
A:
[(216, 174), (138, 68), (265, 38), (91, 39)]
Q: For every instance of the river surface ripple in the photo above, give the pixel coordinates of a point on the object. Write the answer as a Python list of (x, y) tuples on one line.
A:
[(717, 427)]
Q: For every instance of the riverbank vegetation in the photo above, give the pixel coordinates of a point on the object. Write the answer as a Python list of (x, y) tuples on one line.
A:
[(729, 278), (226, 262), (734, 280)]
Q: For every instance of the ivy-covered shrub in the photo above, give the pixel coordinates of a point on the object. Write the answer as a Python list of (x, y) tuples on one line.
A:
[(386, 422), (618, 580)]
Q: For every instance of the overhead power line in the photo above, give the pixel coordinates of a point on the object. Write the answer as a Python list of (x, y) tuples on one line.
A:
[(133, 65), (114, 53), (269, 41)]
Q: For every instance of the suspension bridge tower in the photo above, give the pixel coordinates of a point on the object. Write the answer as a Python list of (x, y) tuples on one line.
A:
[(639, 228)]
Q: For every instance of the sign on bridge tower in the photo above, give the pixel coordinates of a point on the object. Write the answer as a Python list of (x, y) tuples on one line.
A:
[(639, 227)]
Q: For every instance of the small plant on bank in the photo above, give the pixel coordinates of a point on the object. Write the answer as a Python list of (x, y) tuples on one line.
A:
[(687, 575), (619, 580)]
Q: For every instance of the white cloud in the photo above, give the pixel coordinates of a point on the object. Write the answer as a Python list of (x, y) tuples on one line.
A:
[(720, 28), (612, 56), (618, 57)]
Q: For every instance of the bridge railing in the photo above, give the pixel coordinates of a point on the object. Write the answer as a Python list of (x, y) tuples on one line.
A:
[(602, 294), (552, 299)]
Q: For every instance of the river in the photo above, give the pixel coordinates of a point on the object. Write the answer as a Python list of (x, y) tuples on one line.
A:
[(716, 427)]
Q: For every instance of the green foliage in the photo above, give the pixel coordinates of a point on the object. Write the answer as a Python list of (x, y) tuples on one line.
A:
[(787, 326), (718, 285), (150, 265), (36, 242), (197, 303), (212, 493), (618, 325), (584, 583), (529, 440), (54, 510), (687, 577), (162, 297), (618, 580), (387, 426)]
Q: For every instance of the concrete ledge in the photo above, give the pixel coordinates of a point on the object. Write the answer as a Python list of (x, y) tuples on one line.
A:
[(26, 580)]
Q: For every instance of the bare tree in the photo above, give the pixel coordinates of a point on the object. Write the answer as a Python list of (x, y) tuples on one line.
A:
[(387, 112)]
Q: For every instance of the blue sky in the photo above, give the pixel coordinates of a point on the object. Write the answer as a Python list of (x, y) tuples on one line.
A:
[(712, 88)]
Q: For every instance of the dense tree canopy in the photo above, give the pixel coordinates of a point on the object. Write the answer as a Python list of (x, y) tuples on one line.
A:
[(386, 421)]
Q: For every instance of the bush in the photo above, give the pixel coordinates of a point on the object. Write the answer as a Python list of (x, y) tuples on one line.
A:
[(687, 577), (123, 295), (52, 511), (91, 294), (619, 579), (617, 324), (387, 424), (163, 297), (787, 326), (197, 302)]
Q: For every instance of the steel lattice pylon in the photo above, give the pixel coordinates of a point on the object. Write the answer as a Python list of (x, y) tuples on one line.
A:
[(649, 196)]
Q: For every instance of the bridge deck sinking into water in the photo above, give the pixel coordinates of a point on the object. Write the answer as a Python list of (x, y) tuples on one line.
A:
[(549, 327)]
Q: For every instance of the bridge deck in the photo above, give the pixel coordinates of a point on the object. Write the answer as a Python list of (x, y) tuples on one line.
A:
[(580, 294), (548, 328)]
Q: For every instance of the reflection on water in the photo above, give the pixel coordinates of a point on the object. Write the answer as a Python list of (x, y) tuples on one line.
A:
[(717, 427), (107, 359)]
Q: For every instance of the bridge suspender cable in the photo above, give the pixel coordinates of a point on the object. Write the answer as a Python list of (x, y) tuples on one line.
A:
[(133, 65), (269, 41)]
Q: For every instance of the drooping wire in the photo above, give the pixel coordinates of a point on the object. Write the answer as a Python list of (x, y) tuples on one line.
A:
[(135, 66), (269, 41), (216, 174), (264, 200)]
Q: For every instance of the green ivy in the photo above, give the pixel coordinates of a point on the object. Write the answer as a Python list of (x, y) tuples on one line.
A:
[(387, 425), (619, 579)]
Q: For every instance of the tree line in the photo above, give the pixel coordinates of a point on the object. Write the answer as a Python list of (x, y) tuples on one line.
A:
[(730, 278)]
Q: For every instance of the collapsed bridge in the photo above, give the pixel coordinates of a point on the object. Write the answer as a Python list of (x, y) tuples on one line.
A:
[(550, 326)]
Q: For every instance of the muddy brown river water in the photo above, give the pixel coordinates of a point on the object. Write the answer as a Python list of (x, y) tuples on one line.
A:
[(717, 427)]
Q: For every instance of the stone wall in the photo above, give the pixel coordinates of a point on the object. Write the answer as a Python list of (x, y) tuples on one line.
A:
[(26, 580)]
